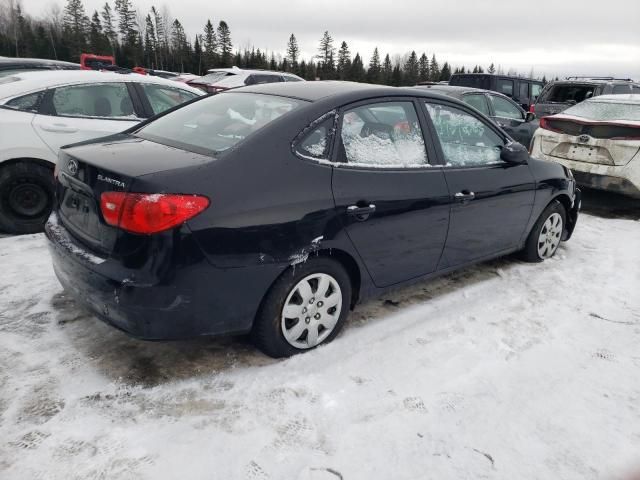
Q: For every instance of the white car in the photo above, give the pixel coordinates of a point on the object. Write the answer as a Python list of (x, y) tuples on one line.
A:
[(42, 111), (598, 139), (219, 79)]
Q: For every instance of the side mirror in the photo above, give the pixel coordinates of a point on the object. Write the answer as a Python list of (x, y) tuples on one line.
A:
[(529, 117), (514, 153)]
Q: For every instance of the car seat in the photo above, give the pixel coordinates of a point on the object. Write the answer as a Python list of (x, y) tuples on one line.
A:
[(101, 107), (126, 107)]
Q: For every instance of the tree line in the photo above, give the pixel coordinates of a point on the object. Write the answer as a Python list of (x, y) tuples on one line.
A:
[(158, 41)]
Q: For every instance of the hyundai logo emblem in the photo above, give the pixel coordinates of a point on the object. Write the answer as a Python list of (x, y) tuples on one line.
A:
[(583, 138), (72, 166)]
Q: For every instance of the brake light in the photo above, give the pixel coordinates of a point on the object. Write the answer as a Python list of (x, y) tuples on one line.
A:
[(149, 213), (532, 108), (544, 123)]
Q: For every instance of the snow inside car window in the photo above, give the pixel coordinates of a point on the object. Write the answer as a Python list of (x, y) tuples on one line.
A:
[(383, 134), (217, 123), (465, 140), (105, 100)]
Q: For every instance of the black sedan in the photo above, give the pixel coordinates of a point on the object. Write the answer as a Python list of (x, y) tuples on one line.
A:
[(274, 209), (506, 113)]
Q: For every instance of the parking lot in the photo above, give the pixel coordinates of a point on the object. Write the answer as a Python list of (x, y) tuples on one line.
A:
[(503, 370)]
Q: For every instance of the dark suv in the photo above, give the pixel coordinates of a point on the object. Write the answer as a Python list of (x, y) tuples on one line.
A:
[(559, 95), (523, 91)]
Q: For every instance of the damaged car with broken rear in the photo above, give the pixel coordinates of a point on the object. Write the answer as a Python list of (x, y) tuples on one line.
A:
[(274, 209)]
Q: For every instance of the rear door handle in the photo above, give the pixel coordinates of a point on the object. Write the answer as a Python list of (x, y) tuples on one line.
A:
[(464, 196), (58, 128), (361, 213)]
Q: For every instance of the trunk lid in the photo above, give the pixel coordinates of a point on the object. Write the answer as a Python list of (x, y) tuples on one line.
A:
[(87, 170)]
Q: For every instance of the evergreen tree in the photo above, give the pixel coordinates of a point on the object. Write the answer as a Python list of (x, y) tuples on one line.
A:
[(445, 73), (162, 41), (434, 69), (344, 61), (179, 44), (374, 73), (98, 42), (127, 25), (293, 52), (210, 45), (492, 69), (396, 76), (326, 55), (387, 70), (150, 43), (423, 68), (108, 28), (197, 55), (75, 27), (411, 69), (356, 72), (225, 46)]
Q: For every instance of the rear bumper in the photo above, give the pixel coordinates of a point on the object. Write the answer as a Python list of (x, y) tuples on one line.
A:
[(623, 179), (193, 300)]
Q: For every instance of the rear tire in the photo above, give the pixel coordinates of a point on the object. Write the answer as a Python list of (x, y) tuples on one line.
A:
[(546, 234), (26, 197), (306, 307)]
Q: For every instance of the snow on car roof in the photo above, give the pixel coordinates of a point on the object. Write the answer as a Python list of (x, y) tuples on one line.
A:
[(26, 82)]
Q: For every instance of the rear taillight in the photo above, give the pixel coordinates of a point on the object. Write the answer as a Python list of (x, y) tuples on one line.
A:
[(149, 213), (544, 123), (532, 108)]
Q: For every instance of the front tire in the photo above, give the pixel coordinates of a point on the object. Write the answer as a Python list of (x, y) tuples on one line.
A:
[(546, 234), (306, 307), (26, 197)]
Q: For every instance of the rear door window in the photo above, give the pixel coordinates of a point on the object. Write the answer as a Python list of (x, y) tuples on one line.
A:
[(316, 140), (505, 109), (477, 101), (103, 100), (505, 86), (26, 103), (464, 139), (163, 98), (383, 134)]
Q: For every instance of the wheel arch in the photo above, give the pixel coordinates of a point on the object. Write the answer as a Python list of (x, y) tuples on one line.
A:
[(37, 161)]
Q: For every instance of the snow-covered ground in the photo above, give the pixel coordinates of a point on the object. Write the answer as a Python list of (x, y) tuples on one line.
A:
[(505, 370)]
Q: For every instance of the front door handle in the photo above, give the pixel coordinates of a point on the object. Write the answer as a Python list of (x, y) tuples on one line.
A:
[(464, 196), (361, 213)]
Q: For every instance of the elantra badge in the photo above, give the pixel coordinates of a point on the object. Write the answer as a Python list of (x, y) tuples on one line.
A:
[(72, 166), (110, 180)]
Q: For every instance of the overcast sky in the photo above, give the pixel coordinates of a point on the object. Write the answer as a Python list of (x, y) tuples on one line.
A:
[(558, 37)]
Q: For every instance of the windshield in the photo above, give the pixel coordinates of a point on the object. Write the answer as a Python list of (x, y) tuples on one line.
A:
[(217, 123), (607, 111)]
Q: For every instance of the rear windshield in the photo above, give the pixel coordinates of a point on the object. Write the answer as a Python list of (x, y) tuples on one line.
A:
[(475, 81), (568, 93), (217, 123), (214, 77), (606, 111)]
